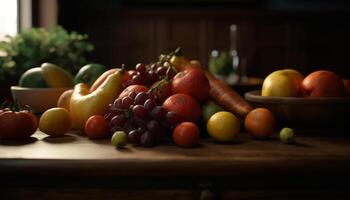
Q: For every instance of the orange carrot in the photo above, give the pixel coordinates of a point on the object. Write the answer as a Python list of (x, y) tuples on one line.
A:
[(227, 97), (220, 92)]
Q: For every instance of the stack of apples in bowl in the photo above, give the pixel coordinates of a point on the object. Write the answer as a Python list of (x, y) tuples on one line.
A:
[(322, 97)]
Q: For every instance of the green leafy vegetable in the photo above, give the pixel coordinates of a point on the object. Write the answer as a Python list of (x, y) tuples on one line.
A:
[(35, 46)]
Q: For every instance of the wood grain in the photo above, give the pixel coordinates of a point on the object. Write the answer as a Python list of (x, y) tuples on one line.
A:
[(75, 155)]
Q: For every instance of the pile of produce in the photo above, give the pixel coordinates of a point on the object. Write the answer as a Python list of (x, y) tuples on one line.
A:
[(171, 99)]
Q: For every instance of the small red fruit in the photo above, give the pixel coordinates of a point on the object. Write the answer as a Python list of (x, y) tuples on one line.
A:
[(96, 127), (133, 88), (193, 82), (186, 134), (184, 106)]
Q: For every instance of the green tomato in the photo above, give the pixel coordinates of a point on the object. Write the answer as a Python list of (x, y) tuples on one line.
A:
[(287, 135), (209, 109), (119, 139), (89, 73)]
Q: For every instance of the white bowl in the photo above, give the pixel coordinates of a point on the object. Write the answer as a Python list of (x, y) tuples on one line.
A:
[(39, 99)]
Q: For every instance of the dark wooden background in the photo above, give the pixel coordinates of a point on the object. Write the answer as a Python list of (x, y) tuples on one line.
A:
[(304, 35)]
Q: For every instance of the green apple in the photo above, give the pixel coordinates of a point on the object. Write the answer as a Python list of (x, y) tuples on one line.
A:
[(89, 73), (282, 83)]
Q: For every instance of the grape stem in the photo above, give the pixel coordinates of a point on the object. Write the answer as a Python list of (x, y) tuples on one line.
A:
[(162, 60)]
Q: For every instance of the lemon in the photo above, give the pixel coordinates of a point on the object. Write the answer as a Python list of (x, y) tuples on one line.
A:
[(223, 126), (55, 76), (55, 122)]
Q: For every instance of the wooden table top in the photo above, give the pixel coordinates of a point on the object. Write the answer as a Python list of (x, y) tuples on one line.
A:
[(74, 154)]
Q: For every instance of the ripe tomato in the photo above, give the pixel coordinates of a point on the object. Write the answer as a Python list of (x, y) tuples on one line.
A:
[(193, 82), (161, 90), (260, 123), (186, 134), (17, 124), (96, 127), (185, 107), (133, 88)]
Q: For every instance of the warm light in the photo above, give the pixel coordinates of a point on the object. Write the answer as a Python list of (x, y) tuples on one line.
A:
[(8, 18)]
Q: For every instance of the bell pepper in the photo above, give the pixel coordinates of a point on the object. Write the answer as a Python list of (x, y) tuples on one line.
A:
[(84, 104)]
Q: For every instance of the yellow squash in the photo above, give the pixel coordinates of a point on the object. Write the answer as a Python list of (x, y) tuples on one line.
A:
[(84, 104)]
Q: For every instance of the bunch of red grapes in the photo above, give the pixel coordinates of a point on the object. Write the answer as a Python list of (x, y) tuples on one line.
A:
[(149, 74), (141, 118), (141, 115)]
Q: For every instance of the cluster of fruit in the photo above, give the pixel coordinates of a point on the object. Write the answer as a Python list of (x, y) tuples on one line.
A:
[(291, 83), (170, 98), (47, 75), (155, 101), (139, 115), (149, 74)]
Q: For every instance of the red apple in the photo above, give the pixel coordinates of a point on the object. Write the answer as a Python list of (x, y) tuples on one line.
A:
[(323, 83), (347, 87)]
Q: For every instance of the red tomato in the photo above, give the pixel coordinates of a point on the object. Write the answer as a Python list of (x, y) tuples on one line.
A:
[(96, 127), (17, 124), (193, 82), (133, 88), (185, 107), (161, 90), (186, 134)]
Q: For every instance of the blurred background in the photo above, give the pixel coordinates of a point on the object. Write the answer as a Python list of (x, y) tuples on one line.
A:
[(268, 34)]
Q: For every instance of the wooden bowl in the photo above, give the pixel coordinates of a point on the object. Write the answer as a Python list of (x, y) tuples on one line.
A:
[(302, 110), (39, 99)]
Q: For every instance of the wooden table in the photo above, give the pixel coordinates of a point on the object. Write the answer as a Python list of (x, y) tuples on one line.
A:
[(74, 166)]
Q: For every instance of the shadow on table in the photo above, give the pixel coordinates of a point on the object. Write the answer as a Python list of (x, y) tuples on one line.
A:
[(60, 139), (18, 142)]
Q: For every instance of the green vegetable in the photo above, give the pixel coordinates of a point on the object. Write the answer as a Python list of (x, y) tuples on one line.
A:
[(35, 46), (89, 73), (209, 109), (220, 64), (287, 135), (119, 139)]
